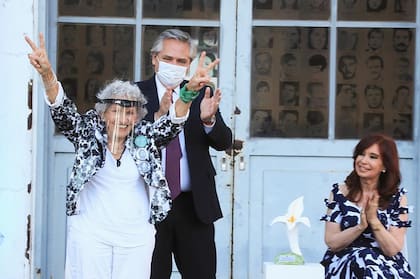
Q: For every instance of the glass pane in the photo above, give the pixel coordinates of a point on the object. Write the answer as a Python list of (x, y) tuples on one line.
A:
[(377, 10), (207, 38), (291, 9), (117, 8), (375, 88), (290, 82), (89, 55), (194, 9)]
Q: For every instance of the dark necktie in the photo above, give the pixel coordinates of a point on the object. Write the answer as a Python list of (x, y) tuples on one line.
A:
[(172, 169)]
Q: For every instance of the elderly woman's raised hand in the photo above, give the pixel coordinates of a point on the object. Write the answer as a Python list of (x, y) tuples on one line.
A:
[(39, 59), (201, 76)]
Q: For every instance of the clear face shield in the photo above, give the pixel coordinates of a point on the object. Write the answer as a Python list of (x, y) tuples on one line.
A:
[(121, 116)]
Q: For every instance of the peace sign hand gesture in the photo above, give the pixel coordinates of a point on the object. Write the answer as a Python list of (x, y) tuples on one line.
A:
[(38, 57), (201, 76), (39, 60)]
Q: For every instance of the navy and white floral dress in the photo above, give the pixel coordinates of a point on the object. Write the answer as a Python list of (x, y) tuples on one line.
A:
[(363, 258)]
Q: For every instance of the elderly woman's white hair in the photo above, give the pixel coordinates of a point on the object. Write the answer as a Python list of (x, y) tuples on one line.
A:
[(118, 91)]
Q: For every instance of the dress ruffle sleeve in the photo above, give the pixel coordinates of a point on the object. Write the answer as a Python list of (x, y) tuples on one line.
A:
[(396, 209), (335, 214)]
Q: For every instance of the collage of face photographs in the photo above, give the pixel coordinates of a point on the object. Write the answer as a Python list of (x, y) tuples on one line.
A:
[(386, 10), (117, 8), (291, 9), (375, 88), (290, 82), (374, 73), (378, 10), (92, 45), (199, 9), (290, 95)]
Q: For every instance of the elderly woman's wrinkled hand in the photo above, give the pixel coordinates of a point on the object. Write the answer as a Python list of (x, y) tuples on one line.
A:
[(39, 58), (201, 76)]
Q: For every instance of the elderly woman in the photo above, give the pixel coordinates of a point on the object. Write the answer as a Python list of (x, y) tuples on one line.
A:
[(117, 189), (367, 216)]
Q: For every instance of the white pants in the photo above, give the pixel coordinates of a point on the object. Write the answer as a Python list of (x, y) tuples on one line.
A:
[(88, 258)]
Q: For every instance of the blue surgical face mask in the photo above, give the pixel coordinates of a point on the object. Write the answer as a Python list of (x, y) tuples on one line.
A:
[(171, 75)]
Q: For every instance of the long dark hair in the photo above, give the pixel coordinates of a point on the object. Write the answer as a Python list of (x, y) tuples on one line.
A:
[(389, 180)]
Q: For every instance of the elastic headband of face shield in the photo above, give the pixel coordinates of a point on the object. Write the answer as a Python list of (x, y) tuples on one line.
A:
[(123, 103)]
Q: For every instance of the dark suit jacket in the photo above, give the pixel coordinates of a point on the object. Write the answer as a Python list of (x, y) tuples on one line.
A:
[(197, 143)]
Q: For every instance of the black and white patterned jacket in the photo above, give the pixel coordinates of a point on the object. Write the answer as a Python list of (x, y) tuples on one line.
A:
[(88, 135)]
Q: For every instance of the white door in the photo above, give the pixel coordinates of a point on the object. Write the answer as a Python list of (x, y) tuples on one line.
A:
[(81, 33), (276, 166)]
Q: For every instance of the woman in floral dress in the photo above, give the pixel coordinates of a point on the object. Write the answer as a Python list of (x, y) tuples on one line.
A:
[(367, 216)]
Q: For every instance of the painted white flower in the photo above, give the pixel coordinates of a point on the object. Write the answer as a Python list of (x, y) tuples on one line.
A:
[(292, 218)]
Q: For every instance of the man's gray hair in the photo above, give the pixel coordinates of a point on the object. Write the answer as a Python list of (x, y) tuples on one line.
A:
[(123, 90), (174, 34)]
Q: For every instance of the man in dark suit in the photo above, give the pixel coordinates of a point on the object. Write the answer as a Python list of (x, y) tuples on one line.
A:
[(188, 231)]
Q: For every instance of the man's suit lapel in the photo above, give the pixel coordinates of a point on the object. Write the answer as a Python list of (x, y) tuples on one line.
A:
[(149, 90)]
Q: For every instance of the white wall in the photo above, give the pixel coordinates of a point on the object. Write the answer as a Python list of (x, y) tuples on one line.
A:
[(16, 18)]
